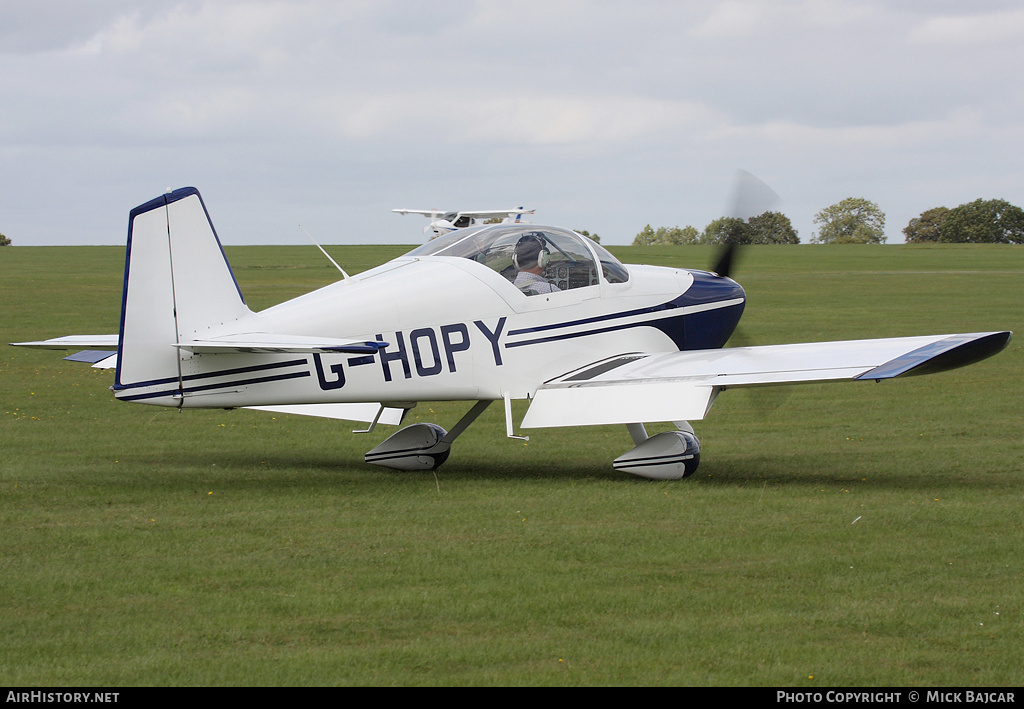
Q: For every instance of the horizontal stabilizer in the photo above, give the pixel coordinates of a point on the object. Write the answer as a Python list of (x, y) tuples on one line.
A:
[(103, 356), (261, 342), (91, 356), (74, 342), (676, 386)]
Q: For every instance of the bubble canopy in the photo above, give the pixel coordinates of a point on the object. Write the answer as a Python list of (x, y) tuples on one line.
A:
[(572, 262)]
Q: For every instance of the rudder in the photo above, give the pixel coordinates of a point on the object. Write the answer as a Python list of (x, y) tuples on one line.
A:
[(178, 286)]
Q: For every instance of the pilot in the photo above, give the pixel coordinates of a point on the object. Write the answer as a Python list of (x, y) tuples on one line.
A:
[(531, 257)]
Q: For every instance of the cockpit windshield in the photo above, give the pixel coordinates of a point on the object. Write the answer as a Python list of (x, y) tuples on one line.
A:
[(560, 257)]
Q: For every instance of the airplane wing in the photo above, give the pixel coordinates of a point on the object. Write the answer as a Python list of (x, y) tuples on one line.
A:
[(487, 214), (432, 213), (682, 386), (495, 213)]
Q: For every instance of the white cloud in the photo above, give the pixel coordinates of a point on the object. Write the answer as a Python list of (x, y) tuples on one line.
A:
[(805, 139), (648, 106), (744, 19), (986, 29)]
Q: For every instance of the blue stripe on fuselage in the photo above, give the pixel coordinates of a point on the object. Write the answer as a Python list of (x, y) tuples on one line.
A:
[(708, 329), (210, 375)]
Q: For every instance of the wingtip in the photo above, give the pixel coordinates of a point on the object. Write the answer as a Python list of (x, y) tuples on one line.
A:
[(949, 353)]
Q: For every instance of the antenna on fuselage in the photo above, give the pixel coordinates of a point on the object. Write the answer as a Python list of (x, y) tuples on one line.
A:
[(345, 275)]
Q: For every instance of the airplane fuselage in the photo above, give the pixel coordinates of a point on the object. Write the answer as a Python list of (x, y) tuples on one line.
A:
[(456, 330)]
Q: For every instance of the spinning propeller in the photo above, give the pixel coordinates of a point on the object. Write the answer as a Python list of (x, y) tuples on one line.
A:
[(750, 198)]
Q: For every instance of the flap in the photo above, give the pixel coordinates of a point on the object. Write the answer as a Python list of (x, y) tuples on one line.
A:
[(390, 416), (621, 402)]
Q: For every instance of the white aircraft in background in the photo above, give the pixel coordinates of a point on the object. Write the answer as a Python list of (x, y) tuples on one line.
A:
[(489, 313), (445, 222)]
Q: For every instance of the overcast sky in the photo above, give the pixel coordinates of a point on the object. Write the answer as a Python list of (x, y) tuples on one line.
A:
[(603, 115)]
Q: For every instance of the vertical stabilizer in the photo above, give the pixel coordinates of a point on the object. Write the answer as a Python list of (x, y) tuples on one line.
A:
[(178, 286)]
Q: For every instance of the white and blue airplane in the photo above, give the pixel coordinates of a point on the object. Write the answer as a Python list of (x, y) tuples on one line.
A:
[(444, 222), (498, 312)]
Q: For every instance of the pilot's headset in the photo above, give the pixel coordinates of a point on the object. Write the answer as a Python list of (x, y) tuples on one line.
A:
[(530, 248)]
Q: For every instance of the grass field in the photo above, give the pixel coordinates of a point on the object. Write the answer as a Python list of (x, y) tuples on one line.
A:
[(838, 535)]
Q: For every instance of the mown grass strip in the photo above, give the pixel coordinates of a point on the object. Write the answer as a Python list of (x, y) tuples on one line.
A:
[(855, 534)]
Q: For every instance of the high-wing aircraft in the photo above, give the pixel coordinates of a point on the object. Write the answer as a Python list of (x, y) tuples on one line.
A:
[(489, 313), (444, 222)]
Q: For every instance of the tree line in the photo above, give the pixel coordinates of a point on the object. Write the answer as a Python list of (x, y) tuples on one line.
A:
[(852, 221), (767, 228), (855, 221), (983, 221)]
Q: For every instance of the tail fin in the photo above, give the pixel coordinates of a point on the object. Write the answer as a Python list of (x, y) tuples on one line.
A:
[(178, 286)]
